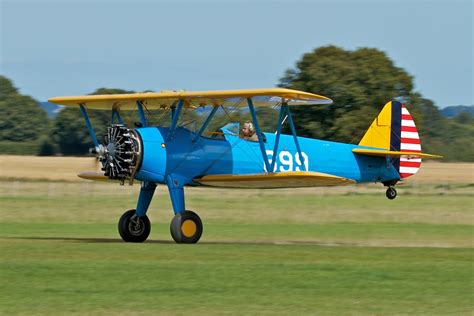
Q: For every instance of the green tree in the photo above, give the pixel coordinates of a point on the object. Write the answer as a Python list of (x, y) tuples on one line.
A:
[(22, 119), (360, 82), (46, 146), (464, 118)]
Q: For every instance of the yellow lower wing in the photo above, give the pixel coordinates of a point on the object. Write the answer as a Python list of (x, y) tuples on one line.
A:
[(95, 176), (392, 153), (274, 180)]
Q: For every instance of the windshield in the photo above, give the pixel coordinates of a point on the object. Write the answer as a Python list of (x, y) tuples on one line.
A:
[(232, 128)]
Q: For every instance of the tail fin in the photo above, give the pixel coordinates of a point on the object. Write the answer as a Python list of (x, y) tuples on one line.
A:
[(394, 129)]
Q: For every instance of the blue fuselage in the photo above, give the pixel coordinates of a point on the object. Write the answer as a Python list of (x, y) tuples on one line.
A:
[(182, 157), (186, 159)]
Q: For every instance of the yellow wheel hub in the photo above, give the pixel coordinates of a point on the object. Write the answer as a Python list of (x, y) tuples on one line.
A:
[(188, 228)]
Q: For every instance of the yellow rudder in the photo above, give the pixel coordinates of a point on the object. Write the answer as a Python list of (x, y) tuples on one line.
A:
[(378, 134)]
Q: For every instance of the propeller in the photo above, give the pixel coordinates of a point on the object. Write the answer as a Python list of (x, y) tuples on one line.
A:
[(118, 157), (120, 153), (95, 162)]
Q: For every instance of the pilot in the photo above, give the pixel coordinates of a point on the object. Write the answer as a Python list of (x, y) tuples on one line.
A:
[(248, 132)]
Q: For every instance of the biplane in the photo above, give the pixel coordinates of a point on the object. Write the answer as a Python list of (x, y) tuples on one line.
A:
[(193, 148)]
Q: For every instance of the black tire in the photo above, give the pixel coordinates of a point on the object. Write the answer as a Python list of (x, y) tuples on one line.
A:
[(186, 228), (391, 193), (133, 228)]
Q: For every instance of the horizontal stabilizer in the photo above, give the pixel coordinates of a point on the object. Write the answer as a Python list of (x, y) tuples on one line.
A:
[(392, 153), (274, 180)]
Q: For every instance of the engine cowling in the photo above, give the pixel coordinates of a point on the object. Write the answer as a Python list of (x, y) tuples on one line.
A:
[(121, 153)]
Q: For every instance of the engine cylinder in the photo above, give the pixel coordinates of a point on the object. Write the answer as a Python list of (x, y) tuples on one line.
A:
[(121, 153)]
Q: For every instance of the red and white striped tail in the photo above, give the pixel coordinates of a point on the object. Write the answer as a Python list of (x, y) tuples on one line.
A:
[(409, 141)]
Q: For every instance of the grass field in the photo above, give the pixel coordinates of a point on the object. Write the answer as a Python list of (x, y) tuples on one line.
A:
[(311, 251)]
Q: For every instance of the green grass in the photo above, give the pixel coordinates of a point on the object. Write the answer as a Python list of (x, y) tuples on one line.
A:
[(262, 252)]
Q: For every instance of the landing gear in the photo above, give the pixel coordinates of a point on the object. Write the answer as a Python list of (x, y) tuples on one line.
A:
[(391, 193), (133, 228), (186, 227)]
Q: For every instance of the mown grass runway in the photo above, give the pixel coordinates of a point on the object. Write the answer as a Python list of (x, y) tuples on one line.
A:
[(268, 252)]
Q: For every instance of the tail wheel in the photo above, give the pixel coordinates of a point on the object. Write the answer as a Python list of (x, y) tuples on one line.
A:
[(186, 228), (391, 193), (133, 228)]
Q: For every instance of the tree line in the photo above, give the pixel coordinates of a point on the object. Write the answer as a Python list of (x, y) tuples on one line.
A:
[(360, 82)]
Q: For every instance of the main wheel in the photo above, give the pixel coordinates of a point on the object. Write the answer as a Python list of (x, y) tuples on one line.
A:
[(391, 193), (133, 228), (186, 228)]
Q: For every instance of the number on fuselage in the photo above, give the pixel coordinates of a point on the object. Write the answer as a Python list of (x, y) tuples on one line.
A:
[(287, 161)]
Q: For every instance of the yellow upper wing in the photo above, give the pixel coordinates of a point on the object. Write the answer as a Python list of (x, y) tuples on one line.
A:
[(274, 180), (193, 99)]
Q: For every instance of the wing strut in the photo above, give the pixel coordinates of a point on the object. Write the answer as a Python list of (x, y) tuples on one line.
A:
[(116, 115), (259, 134), (142, 114), (206, 123), (281, 120), (89, 125), (285, 114), (174, 123), (293, 131), (284, 110)]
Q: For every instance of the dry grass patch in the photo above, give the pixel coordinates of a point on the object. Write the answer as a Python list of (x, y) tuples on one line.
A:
[(67, 168), (45, 168)]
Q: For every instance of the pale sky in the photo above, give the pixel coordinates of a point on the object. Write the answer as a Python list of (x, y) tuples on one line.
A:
[(54, 48)]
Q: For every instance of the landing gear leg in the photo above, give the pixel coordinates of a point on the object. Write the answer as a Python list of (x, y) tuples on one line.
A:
[(391, 193), (134, 225), (186, 226)]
